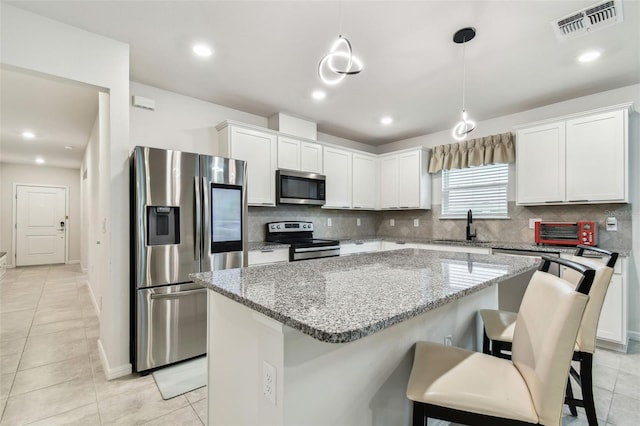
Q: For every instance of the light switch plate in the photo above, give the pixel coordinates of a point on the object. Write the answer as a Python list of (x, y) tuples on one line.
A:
[(358, 221), (532, 222), (392, 222), (416, 222)]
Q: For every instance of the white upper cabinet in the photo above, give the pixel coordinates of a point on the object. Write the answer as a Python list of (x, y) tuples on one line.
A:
[(596, 158), (259, 150), (365, 188), (404, 180), (294, 154), (540, 164), (338, 166), (578, 159), (389, 182)]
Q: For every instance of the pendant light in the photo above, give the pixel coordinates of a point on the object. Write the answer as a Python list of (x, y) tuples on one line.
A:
[(465, 125), (340, 61)]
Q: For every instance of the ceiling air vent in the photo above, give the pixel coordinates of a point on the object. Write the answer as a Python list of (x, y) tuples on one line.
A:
[(583, 21)]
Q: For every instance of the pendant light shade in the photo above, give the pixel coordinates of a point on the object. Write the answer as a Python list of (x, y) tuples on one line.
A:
[(339, 62), (465, 125)]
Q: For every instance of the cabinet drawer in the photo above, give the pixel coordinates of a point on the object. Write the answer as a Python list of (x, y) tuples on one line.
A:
[(362, 247), (261, 257)]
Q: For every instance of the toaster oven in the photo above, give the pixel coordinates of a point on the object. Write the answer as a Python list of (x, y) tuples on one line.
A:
[(566, 233)]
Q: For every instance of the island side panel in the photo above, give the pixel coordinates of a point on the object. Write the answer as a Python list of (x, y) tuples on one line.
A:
[(239, 340), (364, 382)]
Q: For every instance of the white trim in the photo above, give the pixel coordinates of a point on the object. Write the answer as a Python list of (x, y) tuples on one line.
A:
[(72, 262), (634, 335), (14, 218), (627, 106), (109, 372)]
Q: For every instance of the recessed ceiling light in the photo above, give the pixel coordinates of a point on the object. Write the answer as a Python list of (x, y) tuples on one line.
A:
[(28, 135), (319, 95), (589, 56), (202, 50), (386, 120), (68, 147), (39, 160)]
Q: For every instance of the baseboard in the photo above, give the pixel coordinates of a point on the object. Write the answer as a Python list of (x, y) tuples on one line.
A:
[(111, 373), (72, 262), (634, 335)]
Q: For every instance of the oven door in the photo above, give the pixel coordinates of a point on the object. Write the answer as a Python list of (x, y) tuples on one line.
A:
[(300, 187), (306, 253), (171, 324)]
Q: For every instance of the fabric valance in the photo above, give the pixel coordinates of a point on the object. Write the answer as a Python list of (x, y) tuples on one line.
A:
[(494, 149)]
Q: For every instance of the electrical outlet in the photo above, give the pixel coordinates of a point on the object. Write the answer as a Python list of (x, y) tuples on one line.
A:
[(416, 222), (269, 382), (532, 222), (358, 221), (392, 222), (329, 222), (448, 340)]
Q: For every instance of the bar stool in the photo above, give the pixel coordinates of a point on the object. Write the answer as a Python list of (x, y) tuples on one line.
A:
[(499, 328), (468, 387)]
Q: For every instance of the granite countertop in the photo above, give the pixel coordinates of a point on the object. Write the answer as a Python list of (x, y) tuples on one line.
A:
[(343, 299), (474, 243)]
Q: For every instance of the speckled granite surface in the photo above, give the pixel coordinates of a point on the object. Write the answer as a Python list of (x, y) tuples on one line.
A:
[(342, 299), (475, 243)]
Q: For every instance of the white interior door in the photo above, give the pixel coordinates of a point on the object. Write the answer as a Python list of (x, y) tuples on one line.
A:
[(40, 225)]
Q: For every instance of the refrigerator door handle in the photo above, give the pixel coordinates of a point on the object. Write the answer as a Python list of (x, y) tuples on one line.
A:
[(206, 220), (178, 294), (197, 213)]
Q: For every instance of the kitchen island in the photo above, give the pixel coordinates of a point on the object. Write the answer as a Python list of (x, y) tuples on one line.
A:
[(329, 341)]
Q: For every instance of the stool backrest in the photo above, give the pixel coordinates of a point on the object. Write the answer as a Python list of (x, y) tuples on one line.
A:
[(544, 338), (586, 339)]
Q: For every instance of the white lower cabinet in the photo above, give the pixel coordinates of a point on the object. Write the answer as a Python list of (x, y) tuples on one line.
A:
[(397, 245), (455, 249), (266, 256), (359, 247), (612, 325)]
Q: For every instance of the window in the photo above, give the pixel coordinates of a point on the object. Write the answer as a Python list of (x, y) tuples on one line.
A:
[(482, 189)]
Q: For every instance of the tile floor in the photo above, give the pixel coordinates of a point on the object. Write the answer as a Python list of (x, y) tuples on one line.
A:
[(50, 373)]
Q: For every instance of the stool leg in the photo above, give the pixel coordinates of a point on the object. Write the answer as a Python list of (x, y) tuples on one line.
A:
[(572, 407), (418, 414), (485, 343), (586, 367)]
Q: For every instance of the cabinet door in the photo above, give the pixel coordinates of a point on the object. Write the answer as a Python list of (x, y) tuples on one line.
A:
[(310, 157), (364, 181), (610, 325), (258, 149), (337, 169), (409, 179), (596, 158), (389, 182), (288, 153), (540, 164)]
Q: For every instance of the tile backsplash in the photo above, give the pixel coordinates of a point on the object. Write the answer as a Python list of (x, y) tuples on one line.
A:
[(344, 223), (430, 226), (514, 229)]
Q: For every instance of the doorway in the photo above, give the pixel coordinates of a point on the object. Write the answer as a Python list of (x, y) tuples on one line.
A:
[(41, 216)]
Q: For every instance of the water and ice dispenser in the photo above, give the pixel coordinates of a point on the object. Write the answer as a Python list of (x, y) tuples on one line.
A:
[(163, 225)]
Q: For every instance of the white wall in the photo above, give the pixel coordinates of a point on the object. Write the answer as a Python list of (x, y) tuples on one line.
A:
[(38, 44), (39, 175), (181, 122)]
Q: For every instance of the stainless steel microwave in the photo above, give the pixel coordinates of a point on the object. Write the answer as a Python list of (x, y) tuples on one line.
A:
[(293, 187)]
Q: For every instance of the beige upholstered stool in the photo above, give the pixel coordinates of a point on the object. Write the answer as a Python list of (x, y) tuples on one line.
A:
[(474, 388), (499, 328)]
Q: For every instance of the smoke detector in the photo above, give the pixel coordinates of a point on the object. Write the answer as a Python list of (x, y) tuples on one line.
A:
[(592, 18)]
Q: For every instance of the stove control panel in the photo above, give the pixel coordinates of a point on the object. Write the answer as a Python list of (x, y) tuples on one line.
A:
[(290, 227)]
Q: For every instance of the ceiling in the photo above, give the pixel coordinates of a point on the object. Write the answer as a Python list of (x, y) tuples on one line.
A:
[(266, 55)]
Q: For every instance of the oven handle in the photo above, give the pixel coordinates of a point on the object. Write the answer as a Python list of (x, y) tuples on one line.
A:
[(178, 294), (303, 250)]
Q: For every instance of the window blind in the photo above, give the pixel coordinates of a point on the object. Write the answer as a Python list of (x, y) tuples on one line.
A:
[(482, 189)]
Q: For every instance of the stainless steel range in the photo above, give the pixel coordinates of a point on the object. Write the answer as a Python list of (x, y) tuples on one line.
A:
[(299, 235)]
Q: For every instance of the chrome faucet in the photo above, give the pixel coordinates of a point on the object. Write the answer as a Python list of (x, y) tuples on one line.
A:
[(471, 228)]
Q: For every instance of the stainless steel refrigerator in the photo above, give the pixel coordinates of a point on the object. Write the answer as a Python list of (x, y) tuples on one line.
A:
[(188, 214)]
